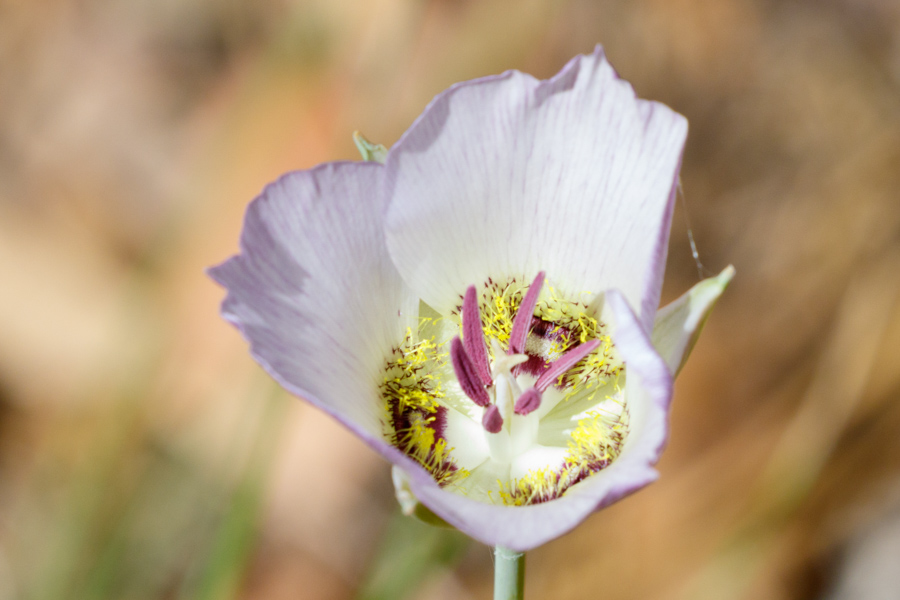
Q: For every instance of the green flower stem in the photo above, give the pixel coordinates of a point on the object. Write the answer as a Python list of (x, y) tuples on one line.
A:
[(509, 574)]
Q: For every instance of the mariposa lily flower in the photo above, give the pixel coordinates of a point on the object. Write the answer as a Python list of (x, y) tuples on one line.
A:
[(481, 309)]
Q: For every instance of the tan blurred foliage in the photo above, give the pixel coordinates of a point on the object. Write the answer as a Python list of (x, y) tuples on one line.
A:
[(144, 455)]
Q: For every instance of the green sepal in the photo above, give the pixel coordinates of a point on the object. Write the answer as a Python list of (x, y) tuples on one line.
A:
[(410, 505), (370, 152)]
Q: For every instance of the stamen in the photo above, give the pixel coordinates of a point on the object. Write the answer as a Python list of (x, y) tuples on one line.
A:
[(465, 373), (473, 336), (528, 402), (522, 321), (564, 363), (492, 421)]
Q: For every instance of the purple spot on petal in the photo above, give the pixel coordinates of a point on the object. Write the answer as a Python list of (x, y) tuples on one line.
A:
[(439, 424), (543, 331), (534, 366)]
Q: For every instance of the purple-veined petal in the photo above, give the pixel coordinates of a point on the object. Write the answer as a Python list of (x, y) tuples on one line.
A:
[(678, 324), (315, 293), (506, 176), (648, 382)]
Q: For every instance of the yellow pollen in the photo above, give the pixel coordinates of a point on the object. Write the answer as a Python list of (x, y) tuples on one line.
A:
[(410, 381), (418, 441), (597, 439)]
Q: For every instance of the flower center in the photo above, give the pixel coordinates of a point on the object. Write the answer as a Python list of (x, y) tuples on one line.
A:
[(514, 399)]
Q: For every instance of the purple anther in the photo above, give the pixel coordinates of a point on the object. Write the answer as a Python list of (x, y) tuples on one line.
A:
[(492, 421), (465, 373), (564, 363), (528, 402), (473, 336), (522, 322)]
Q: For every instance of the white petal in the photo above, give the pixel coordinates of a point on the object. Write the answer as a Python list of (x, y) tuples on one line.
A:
[(522, 528), (315, 293), (537, 458), (481, 482), (465, 435), (648, 384), (558, 424), (679, 324), (507, 175)]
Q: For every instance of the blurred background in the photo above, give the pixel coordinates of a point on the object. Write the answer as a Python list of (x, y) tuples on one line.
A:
[(143, 455)]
